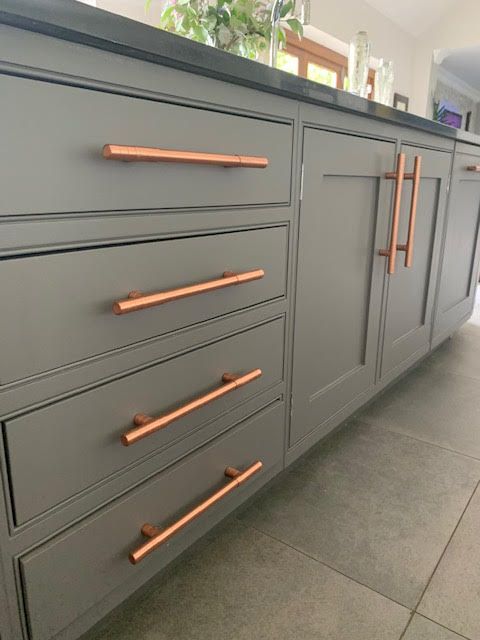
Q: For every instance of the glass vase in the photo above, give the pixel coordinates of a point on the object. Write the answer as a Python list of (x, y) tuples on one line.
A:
[(384, 83), (358, 63)]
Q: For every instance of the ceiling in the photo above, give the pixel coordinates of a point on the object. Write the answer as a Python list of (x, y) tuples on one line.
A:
[(465, 64), (414, 16)]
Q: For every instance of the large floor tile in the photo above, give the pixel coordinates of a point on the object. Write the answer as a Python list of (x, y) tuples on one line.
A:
[(459, 354), (376, 505), (422, 629), (453, 596), (245, 586), (438, 407)]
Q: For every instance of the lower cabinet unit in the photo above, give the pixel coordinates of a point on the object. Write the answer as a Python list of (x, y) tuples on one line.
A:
[(410, 290), (344, 217), (70, 574), (160, 318), (458, 274)]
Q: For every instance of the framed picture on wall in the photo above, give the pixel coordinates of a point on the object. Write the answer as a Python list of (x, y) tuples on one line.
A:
[(400, 102)]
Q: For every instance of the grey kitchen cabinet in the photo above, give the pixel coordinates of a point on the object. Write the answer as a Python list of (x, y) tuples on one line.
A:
[(344, 217), (68, 173), (458, 274), (410, 291)]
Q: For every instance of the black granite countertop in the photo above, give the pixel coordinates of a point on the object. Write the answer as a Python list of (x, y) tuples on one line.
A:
[(80, 23)]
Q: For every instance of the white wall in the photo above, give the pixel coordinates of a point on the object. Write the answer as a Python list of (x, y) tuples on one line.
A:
[(343, 18), (134, 9), (459, 27)]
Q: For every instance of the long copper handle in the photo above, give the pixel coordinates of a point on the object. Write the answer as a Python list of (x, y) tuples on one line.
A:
[(398, 176), (147, 425), (153, 154), (415, 176), (474, 167), (136, 300), (158, 536)]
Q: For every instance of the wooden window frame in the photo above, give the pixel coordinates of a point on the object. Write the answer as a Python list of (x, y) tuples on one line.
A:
[(307, 50)]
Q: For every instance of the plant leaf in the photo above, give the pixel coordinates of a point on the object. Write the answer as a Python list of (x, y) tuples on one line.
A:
[(296, 26)]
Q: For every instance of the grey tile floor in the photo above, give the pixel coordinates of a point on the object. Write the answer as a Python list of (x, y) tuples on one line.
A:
[(374, 535)]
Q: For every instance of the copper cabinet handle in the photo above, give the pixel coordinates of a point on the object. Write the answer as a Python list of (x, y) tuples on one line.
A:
[(158, 536), (153, 154), (415, 176), (398, 176), (147, 425), (474, 167), (136, 300)]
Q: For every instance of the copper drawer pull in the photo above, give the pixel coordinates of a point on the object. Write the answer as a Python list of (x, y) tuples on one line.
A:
[(136, 300), (153, 154), (415, 176), (398, 176), (158, 536), (474, 167), (147, 425)]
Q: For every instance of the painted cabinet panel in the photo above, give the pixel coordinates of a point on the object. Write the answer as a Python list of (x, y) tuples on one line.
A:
[(459, 269), (62, 159), (411, 290), (343, 224)]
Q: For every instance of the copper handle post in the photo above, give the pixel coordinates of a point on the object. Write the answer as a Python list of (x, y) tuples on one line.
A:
[(474, 167), (127, 153), (415, 176), (137, 301), (398, 176), (158, 536), (147, 425)]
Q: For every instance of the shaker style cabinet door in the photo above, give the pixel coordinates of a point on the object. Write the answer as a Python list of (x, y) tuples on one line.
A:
[(410, 285), (344, 218), (461, 253)]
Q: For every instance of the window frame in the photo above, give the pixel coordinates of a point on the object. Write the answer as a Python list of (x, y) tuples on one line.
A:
[(307, 50)]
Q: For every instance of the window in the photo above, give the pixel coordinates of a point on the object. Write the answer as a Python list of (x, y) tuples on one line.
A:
[(308, 59)]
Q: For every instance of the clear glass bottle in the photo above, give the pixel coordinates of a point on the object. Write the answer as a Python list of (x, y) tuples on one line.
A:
[(384, 83), (358, 63)]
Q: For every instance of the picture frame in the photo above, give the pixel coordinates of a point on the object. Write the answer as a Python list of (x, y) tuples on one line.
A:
[(400, 102)]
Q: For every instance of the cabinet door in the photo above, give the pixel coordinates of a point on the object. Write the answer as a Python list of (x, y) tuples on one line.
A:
[(459, 268), (411, 290), (343, 225)]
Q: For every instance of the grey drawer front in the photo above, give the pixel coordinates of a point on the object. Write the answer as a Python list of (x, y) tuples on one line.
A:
[(91, 558), (56, 134), (68, 446), (61, 304)]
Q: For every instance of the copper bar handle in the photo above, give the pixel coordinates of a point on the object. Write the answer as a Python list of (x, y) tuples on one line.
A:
[(147, 425), (415, 176), (398, 176), (474, 167), (160, 536), (137, 301), (153, 154)]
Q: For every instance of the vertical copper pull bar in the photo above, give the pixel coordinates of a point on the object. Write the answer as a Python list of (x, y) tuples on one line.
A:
[(127, 153), (147, 425), (398, 176), (160, 536), (137, 300), (415, 176)]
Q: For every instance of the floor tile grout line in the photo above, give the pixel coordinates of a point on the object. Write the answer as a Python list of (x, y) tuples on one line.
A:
[(402, 635), (439, 624), (328, 566), (442, 555), (407, 435)]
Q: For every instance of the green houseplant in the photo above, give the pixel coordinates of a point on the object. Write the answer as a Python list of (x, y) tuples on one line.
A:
[(239, 26)]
